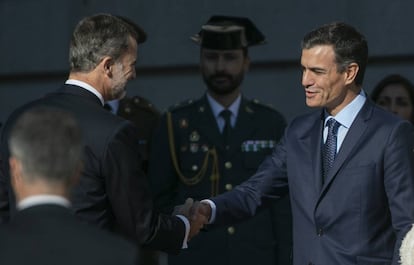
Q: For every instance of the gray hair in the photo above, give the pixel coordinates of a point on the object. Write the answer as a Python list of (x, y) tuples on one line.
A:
[(47, 141), (96, 37)]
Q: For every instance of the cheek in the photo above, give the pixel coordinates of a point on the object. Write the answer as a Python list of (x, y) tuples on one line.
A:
[(407, 111), (206, 70), (235, 68), (130, 73), (334, 90)]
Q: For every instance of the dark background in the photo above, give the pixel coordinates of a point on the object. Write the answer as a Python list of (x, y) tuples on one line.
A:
[(34, 39)]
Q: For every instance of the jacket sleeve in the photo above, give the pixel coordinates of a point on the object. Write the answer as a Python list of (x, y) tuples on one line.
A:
[(163, 180), (130, 196)]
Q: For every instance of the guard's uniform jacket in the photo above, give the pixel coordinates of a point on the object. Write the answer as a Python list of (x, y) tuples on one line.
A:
[(145, 116), (189, 159)]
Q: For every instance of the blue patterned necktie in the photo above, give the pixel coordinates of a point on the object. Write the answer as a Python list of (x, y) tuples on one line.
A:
[(329, 149), (227, 125)]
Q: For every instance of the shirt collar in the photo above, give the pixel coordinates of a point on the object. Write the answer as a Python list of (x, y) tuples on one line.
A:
[(43, 199), (114, 105), (347, 115), (87, 87), (217, 107)]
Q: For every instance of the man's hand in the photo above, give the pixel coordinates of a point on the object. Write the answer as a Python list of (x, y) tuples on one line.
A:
[(204, 209), (195, 212)]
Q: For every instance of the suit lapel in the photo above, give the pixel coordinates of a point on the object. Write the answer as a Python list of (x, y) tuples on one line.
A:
[(311, 143), (350, 143)]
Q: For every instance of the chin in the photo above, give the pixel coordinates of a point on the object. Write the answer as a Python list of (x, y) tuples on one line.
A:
[(312, 104)]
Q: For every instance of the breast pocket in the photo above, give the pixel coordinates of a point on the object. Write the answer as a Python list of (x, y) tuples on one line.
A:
[(253, 160), (255, 151)]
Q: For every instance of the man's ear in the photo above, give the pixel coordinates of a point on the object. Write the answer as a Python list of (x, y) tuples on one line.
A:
[(107, 64), (15, 173), (351, 73)]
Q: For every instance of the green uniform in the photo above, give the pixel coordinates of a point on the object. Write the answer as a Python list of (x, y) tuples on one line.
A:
[(206, 167), (145, 116)]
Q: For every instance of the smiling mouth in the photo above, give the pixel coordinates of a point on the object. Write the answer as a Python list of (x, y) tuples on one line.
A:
[(310, 93)]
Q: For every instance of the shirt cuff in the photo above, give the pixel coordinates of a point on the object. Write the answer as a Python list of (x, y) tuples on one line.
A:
[(187, 230), (213, 210)]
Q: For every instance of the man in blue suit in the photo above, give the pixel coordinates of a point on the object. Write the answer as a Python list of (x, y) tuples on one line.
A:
[(355, 206)]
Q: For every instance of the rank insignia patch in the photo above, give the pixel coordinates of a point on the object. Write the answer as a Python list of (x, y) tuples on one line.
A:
[(194, 136)]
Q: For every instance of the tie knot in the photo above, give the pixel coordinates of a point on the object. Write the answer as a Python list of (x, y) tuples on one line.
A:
[(225, 114), (333, 125), (107, 107)]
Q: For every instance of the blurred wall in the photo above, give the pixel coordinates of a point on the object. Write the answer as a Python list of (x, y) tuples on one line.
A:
[(34, 39)]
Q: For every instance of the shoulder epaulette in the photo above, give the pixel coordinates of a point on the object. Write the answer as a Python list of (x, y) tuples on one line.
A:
[(140, 103), (181, 105), (260, 104)]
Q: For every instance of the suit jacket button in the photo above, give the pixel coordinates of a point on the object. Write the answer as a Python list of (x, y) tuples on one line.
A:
[(228, 165), (231, 230), (320, 232)]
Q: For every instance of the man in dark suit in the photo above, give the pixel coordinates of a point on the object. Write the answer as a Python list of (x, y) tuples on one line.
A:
[(143, 114), (195, 154), (113, 191), (348, 166), (45, 162)]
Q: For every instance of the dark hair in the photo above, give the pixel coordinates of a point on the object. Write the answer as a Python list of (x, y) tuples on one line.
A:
[(393, 79), (47, 142), (349, 45), (96, 37)]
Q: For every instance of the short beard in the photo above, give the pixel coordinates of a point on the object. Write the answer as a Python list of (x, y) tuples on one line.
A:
[(118, 92), (234, 84)]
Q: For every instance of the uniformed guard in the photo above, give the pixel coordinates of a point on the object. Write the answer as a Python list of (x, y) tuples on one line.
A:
[(207, 146), (143, 114)]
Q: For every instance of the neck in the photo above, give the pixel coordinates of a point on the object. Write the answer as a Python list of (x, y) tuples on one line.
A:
[(38, 188), (225, 100), (89, 78)]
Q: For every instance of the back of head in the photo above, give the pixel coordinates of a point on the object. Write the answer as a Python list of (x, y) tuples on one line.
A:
[(98, 36), (349, 45), (228, 33), (47, 142)]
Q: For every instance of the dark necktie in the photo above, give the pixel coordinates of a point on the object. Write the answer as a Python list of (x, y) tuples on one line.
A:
[(108, 107), (329, 149), (227, 125)]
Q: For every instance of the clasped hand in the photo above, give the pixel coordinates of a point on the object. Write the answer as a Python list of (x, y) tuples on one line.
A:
[(197, 214)]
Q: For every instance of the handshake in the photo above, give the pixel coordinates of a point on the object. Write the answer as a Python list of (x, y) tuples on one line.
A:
[(197, 213)]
